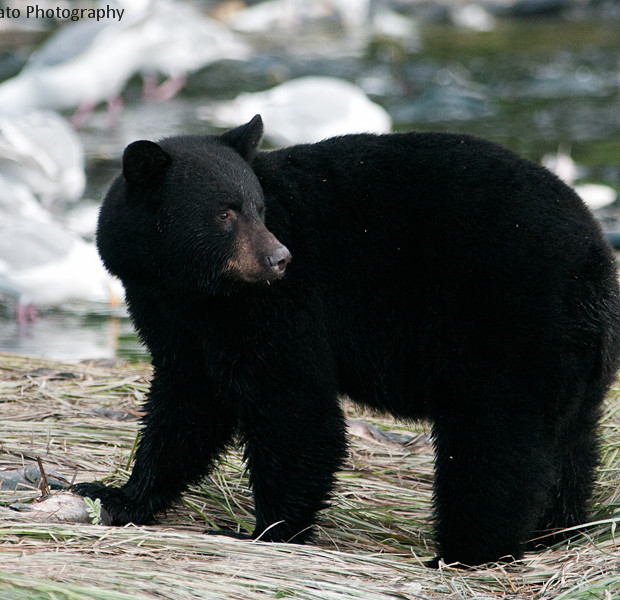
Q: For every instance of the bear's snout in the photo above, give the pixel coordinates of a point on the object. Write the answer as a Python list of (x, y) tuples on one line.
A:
[(277, 260), (257, 254)]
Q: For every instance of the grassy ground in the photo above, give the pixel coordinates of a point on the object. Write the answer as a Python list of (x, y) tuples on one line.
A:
[(80, 420)]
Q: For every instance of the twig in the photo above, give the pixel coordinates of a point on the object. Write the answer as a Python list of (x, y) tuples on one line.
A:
[(44, 486)]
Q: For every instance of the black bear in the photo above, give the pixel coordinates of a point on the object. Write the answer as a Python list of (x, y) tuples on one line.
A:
[(433, 276)]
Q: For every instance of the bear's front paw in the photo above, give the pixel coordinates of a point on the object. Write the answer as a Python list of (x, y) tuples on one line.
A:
[(115, 501), (96, 490)]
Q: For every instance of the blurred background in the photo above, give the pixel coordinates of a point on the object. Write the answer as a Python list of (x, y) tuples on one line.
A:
[(539, 76)]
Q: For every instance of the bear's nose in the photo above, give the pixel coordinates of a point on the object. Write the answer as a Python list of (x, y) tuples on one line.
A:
[(278, 260)]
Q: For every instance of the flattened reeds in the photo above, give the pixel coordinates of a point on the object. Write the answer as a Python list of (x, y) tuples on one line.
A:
[(81, 420)]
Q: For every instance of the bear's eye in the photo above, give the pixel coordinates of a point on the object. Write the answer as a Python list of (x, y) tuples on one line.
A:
[(225, 215)]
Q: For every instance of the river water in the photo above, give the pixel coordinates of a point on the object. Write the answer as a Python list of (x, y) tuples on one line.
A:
[(532, 84)]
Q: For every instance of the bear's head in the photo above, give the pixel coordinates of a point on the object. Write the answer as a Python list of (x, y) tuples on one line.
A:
[(188, 214)]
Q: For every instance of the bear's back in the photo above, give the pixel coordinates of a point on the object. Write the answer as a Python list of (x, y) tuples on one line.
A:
[(439, 241), (438, 202)]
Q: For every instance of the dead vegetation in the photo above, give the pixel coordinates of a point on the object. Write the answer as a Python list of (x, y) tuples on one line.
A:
[(81, 421)]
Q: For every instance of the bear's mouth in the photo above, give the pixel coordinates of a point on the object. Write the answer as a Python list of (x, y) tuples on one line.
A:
[(264, 276)]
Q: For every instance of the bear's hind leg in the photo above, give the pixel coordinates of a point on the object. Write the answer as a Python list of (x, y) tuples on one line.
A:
[(492, 475), (576, 460)]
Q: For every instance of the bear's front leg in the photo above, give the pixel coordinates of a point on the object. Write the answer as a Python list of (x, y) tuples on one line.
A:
[(184, 431), (293, 451)]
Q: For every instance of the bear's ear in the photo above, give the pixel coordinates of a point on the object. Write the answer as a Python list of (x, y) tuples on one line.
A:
[(143, 162), (245, 139)]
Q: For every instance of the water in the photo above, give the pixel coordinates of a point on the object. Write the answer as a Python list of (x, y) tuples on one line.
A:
[(71, 336), (530, 84)]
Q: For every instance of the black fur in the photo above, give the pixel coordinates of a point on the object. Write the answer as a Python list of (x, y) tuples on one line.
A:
[(433, 276)]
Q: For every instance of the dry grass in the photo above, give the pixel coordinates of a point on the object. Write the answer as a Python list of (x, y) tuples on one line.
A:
[(371, 545)]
